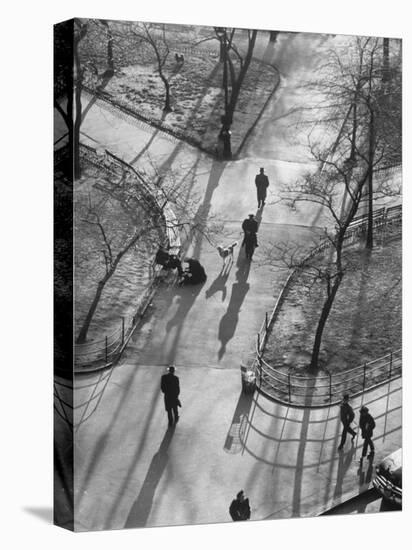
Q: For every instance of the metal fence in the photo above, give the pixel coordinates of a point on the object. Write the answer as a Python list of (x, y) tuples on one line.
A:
[(105, 351), (325, 388)]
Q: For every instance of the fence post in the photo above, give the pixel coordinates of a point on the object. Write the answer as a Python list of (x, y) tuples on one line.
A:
[(289, 388), (390, 366), (106, 349), (364, 376), (122, 330)]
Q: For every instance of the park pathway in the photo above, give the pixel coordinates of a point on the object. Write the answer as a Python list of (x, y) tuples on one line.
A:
[(130, 471)]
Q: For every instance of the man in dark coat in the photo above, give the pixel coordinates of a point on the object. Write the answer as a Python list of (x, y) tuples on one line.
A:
[(168, 261), (262, 183), (346, 415), (366, 425), (239, 510), (169, 385), (250, 225), (195, 273)]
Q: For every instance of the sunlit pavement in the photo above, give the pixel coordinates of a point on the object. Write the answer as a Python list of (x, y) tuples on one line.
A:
[(130, 470)]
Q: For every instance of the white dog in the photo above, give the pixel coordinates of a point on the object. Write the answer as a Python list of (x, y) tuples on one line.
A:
[(227, 252)]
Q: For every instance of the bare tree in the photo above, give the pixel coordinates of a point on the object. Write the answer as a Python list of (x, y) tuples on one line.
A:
[(120, 214), (361, 99), (155, 37), (235, 67)]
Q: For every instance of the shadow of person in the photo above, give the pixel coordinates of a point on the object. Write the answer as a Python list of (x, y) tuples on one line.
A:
[(140, 511), (345, 460), (219, 284), (186, 295), (229, 321)]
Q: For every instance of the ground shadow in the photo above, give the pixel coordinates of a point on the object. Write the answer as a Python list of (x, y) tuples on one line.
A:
[(365, 471), (236, 433), (229, 321), (141, 508), (219, 284), (44, 513), (187, 296), (344, 462)]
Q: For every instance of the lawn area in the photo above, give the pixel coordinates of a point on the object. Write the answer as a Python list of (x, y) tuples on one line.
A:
[(121, 294), (365, 321), (196, 96)]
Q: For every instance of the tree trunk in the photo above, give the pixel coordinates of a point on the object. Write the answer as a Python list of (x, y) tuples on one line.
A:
[(167, 107), (369, 235), (85, 327), (327, 306), (237, 86), (385, 70)]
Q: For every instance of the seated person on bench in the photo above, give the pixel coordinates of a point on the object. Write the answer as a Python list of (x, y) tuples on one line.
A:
[(168, 261)]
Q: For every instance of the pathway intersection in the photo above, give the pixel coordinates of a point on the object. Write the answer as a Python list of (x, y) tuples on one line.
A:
[(130, 470)]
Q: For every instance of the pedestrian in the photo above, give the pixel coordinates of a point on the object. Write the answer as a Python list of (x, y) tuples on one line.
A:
[(250, 225), (194, 274), (346, 416), (168, 261), (366, 425), (239, 510), (170, 387), (262, 183)]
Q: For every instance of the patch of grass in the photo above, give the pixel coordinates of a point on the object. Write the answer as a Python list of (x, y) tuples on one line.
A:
[(365, 321)]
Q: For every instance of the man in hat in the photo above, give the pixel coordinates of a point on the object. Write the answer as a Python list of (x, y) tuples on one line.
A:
[(262, 183), (346, 415), (169, 385), (366, 425), (250, 225), (239, 509)]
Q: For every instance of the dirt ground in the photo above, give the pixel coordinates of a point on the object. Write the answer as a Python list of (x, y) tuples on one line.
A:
[(121, 294), (365, 321), (196, 97)]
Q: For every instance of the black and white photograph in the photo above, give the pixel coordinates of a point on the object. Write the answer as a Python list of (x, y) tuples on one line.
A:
[(236, 235), (226, 309)]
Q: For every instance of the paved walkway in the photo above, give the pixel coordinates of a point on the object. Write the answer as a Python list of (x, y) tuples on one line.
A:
[(129, 469)]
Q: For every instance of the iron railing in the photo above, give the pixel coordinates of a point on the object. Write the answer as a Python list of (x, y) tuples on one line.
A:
[(325, 388)]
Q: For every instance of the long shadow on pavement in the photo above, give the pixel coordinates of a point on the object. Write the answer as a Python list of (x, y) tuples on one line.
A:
[(141, 508), (229, 321)]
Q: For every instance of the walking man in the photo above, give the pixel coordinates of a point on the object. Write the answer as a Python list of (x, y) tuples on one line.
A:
[(262, 183), (239, 510), (250, 225), (366, 425), (346, 415), (170, 387)]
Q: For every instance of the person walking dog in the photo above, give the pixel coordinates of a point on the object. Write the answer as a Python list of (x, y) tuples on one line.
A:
[(262, 183), (366, 425), (239, 509), (170, 386), (346, 416)]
